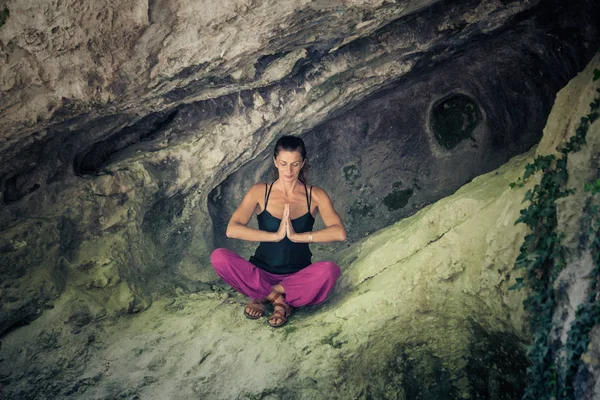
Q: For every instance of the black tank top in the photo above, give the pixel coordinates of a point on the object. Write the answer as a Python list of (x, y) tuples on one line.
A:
[(285, 256)]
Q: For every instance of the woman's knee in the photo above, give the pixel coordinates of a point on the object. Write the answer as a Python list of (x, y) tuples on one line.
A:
[(329, 270), (219, 256)]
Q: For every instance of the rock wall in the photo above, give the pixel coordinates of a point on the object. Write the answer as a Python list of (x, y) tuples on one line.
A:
[(422, 305), (422, 310), (387, 157), (119, 120), (574, 286)]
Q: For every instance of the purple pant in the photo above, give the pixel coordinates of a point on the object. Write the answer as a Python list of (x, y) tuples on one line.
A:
[(306, 287)]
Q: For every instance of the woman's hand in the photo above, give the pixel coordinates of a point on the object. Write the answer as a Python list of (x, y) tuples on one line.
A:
[(291, 234), (282, 231)]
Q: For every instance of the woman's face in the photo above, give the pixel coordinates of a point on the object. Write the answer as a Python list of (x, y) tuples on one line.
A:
[(289, 164)]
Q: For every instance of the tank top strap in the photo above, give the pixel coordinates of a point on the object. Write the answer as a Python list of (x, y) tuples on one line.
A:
[(308, 197), (267, 194)]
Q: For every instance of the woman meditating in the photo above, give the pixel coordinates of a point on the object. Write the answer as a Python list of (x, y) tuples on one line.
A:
[(281, 271)]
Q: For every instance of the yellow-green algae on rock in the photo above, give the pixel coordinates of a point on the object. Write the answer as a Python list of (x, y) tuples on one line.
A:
[(429, 285), (422, 308)]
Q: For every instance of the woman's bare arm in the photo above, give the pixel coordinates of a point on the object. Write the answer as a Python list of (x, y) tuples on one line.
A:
[(237, 227), (334, 227)]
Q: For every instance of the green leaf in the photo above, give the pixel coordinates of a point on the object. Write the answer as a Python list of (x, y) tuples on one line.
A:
[(519, 285), (593, 187), (526, 261), (596, 74), (529, 170)]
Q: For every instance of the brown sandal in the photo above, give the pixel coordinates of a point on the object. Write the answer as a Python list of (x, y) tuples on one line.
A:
[(255, 305), (282, 313)]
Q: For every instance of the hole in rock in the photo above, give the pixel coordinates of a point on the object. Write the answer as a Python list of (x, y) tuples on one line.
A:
[(454, 119), (91, 160), (263, 62), (4, 14), (17, 187)]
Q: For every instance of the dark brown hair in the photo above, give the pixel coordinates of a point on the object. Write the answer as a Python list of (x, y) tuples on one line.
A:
[(292, 143)]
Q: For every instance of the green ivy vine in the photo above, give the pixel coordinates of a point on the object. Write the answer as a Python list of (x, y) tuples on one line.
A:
[(588, 313), (543, 257)]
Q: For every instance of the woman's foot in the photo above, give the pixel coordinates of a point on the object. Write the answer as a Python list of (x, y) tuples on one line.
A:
[(255, 309), (281, 311)]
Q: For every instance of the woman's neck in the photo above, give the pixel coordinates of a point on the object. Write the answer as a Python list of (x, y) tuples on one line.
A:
[(288, 187)]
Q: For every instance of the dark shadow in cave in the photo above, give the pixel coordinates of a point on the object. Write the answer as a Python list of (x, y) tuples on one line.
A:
[(93, 159), (173, 238), (13, 190)]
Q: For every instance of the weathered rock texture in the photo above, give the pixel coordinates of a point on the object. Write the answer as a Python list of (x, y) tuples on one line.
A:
[(124, 122), (383, 159), (573, 286), (422, 306), (121, 119), (422, 311)]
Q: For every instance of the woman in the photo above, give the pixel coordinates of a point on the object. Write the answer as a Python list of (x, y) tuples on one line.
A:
[(281, 272)]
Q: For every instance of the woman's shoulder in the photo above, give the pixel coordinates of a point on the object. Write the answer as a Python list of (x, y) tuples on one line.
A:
[(257, 190), (319, 193), (259, 185)]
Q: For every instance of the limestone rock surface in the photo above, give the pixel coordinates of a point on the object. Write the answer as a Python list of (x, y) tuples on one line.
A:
[(574, 284), (127, 124), (422, 305)]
